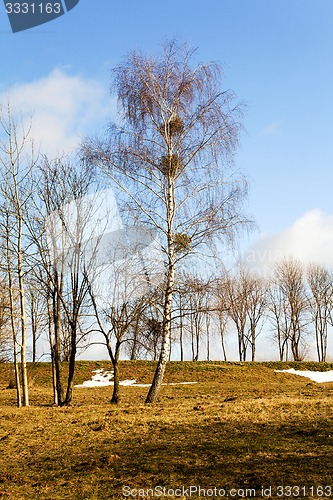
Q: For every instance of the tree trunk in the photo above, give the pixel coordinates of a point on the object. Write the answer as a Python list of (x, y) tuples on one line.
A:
[(324, 343), (181, 330), (13, 325), (56, 347), (192, 336), (24, 373), (25, 390), (34, 324), (321, 336), (197, 335), (17, 374), (50, 324), (279, 339), (253, 341), (116, 377), (181, 343), (241, 346), (223, 347), (71, 368), (135, 340), (164, 354), (208, 336), (115, 363), (222, 332)]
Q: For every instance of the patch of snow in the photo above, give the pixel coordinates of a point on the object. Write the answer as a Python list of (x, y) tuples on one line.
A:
[(180, 383), (132, 383), (127, 383), (315, 376), (103, 378), (100, 379)]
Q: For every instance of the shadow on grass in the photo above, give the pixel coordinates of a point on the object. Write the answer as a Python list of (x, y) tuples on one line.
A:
[(218, 454), (207, 455)]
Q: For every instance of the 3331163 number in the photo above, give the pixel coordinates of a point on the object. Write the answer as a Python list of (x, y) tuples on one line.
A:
[(33, 8)]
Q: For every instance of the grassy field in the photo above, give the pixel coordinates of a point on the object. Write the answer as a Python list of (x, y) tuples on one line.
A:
[(242, 427)]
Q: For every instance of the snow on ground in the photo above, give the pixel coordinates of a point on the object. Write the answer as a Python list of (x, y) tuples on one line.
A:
[(315, 376), (103, 378), (100, 379)]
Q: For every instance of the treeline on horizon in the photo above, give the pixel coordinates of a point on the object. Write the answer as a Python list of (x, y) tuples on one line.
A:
[(294, 305)]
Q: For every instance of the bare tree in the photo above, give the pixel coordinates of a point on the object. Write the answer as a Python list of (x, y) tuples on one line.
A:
[(235, 296), (320, 281), (278, 314), (67, 246), (36, 313), (167, 156), (289, 278), (243, 297), (6, 338), (256, 301), (12, 291), (196, 309), (143, 338), (16, 164), (118, 303), (221, 309), (49, 264)]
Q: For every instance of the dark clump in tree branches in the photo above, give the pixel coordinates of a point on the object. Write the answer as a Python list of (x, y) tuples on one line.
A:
[(168, 158)]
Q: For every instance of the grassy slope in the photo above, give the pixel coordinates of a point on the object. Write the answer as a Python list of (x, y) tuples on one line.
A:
[(241, 426)]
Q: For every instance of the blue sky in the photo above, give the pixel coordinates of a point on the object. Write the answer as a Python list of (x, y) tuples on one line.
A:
[(278, 58)]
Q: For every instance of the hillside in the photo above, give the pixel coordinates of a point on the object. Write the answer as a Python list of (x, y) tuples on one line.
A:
[(242, 426)]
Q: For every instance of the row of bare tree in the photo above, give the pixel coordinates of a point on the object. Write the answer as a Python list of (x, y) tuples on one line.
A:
[(166, 159), (79, 268), (294, 306), (43, 286)]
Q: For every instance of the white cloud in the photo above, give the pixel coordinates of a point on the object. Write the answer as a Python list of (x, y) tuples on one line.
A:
[(309, 239), (63, 108)]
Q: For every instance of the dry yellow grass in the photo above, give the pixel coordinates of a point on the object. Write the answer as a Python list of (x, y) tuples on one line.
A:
[(242, 426)]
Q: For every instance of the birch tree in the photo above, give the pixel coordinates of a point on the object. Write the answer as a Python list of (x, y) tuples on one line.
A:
[(16, 164), (6, 339), (167, 156)]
